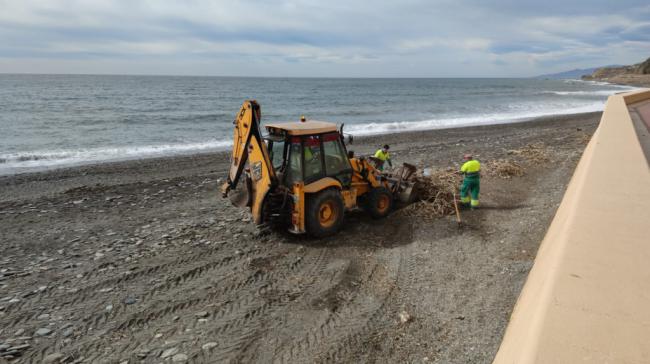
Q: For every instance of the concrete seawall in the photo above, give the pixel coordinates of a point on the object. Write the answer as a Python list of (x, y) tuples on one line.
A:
[(587, 297)]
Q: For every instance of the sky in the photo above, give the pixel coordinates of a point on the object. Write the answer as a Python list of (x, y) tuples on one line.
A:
[(327, 38)]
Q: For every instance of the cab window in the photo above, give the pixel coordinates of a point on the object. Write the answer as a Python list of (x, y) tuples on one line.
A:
[(312, 158), (277, 154), (337, 164), (294, 169)]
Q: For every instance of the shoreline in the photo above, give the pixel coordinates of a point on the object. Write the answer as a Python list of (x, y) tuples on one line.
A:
[(223, 153)]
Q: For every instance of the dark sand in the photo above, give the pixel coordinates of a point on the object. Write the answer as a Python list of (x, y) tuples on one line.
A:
[(143, 261)]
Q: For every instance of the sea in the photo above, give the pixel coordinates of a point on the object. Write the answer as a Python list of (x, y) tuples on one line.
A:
[(54, 121)]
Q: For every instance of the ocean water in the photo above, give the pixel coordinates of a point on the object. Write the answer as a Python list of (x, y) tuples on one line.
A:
[(50, 121)]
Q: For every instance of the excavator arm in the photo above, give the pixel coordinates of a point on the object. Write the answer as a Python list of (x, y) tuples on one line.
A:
[(249, 149)]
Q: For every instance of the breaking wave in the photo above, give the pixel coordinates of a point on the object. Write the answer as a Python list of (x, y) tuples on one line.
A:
[(596, 83), (16, 162), (587, 93), (483, 119)]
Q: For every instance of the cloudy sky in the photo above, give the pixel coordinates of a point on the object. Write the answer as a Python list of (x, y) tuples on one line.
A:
[(328, 38)]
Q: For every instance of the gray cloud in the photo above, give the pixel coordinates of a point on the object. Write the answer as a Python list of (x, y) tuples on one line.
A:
[(410, 38)]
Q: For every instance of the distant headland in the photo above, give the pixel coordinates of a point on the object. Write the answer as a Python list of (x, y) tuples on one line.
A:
[(635, 75)]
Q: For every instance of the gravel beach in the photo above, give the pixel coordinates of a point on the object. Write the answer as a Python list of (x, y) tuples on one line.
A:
[(143, 261)]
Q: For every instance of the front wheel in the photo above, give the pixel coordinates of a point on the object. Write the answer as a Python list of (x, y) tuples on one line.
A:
[(379, 202), (324, 214)]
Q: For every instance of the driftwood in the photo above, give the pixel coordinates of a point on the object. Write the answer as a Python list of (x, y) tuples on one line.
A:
[(435, 193), (536, 152), (503, 168)]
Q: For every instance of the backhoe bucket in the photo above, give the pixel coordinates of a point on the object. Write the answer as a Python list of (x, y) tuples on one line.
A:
[(241, 196)]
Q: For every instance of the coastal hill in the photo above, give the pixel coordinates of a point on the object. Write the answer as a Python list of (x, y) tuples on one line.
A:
[(572, 74), (636, 74)]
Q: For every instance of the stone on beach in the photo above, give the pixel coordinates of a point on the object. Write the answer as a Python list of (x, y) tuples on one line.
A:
[(169, 352), (43, 331), (208, 346)]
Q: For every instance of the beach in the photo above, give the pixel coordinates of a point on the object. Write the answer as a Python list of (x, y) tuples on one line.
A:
[(143, 261)]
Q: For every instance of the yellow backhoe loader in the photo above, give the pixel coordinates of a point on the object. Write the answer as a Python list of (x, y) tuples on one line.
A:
[(301, 177)]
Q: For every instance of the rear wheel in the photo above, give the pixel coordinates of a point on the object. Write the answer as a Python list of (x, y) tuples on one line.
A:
[(379, 202), (324, 214)]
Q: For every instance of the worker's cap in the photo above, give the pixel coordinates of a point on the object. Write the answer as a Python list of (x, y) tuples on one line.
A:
[(386, 146), (467, 156)]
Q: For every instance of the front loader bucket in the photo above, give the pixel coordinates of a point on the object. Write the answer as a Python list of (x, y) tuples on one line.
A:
[(401, 185), (409, 193)]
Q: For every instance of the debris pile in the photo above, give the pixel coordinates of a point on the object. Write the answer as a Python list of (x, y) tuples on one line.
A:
[(503, 168), (536, 152), (435, 193)]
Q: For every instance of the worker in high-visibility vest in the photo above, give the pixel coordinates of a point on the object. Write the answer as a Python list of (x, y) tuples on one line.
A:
[(469, 190), (383, 156)]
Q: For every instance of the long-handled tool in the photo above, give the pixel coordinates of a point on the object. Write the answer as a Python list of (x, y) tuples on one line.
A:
[(457, 211)]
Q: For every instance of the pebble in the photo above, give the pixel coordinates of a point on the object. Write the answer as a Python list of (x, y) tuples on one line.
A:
[(44, 316), (208, 346), (67, 333), (19, 332), (404, 317), (169, 352), (19, 347), (201, 314), (53, 358), (109, 308), (42, 331), (129, 301), (179, 358)]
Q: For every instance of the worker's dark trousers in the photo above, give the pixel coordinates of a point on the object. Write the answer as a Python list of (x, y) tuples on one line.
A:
[(471, 187)]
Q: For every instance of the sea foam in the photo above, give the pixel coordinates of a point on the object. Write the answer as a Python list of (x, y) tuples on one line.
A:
[(17, 162)]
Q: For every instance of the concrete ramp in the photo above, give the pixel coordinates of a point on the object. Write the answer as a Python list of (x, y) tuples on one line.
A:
[(587, 297)]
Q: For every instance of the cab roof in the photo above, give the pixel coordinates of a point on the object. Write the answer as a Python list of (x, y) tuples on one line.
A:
[(302, 128)]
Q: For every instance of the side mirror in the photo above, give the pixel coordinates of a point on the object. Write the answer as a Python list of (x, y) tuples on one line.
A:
[(346, 139)]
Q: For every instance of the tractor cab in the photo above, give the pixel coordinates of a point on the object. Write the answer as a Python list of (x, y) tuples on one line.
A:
[(307, 152)]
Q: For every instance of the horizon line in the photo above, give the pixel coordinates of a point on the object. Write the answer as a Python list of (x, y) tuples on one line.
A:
[(274, 77)]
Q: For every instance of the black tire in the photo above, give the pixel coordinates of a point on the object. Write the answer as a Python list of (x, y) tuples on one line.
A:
[(324, 213), (378, 202), (276, 212)]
